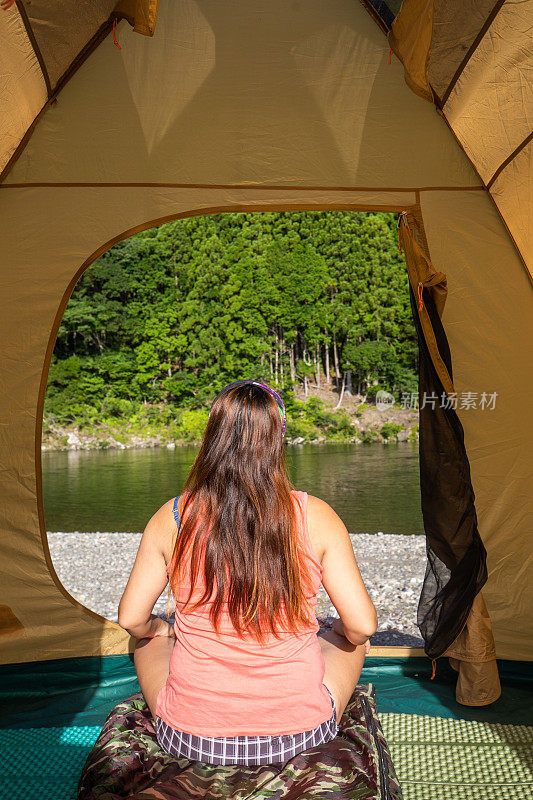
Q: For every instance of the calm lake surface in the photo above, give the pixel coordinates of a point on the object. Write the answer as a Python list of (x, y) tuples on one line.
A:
[(372, 487)]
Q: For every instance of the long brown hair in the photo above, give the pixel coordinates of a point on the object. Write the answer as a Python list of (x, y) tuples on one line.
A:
[(239, 519)]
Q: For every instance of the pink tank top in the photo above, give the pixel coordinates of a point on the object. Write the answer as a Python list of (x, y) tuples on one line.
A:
[(225, 685)]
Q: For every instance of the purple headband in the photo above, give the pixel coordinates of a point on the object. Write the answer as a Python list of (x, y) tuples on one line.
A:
[(271, 392)]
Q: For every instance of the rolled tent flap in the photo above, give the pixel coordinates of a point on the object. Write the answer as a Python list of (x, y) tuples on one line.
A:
[(452, 615), (410, 40), (141, 14), (473, 655), (423, 276)]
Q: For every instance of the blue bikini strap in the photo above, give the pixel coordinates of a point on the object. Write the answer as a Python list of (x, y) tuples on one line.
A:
[(176, 512)]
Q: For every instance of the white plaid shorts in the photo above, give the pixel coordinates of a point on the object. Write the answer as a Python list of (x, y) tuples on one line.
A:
[(250, 751)]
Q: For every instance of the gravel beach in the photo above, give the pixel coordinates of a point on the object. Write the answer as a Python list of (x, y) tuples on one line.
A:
[(94, 567)]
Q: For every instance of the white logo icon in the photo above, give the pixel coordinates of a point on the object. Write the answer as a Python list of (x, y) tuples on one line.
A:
[(384, 400)]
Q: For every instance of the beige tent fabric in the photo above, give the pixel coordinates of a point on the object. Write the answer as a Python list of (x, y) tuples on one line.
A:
[(43, 43), (491, 106), (457, 24), (435, 39), (489, 323), (62, 29), (513, 193), (23, 85)]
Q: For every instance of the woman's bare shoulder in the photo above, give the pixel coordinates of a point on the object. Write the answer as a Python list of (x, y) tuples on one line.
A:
[(162, 528), (324, 525), (320, 513), (163, 519)]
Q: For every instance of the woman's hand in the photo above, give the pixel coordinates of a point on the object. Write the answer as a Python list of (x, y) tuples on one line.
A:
[(162, 628), (155, 626)]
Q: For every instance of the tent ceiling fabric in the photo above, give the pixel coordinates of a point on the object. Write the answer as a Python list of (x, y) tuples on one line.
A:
[(474, 58), (187, 122), (262, 113), (62, 29), (43, 43)]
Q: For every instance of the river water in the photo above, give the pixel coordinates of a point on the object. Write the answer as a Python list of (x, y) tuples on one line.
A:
[(372, 487)]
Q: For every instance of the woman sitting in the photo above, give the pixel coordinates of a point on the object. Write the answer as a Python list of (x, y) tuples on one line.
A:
[(242, 677)]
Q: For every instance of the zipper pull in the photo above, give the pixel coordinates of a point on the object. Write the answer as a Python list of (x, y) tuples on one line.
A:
[(420, 300), (115, 34)]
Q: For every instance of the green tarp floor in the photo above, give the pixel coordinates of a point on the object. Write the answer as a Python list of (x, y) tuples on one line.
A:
[(52, 713)]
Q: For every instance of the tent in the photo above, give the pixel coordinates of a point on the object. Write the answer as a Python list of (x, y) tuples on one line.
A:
[(117, 116)]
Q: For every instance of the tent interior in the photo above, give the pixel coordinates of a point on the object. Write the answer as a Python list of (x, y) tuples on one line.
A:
[(125, 115)]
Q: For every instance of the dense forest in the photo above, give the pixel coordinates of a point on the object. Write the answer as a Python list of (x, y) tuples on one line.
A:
[(164, 319)]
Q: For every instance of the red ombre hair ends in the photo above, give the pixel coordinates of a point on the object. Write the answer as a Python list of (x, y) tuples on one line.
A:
[(238, 518)]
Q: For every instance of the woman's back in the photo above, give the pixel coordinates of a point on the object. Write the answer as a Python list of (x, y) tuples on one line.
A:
[(243, 660), (225, 684)]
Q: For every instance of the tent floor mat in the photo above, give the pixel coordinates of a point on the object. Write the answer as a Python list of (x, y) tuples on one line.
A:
[(438, 757), (434, 757)]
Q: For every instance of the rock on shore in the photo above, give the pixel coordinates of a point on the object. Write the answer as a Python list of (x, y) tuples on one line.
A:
[(94, 568)]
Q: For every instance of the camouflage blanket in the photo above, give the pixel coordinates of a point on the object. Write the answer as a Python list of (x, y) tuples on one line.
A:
[(126, 761)]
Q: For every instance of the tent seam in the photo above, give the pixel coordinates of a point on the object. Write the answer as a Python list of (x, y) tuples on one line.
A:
[(36, 49), (256, 186), (470, 52), (510, 158)]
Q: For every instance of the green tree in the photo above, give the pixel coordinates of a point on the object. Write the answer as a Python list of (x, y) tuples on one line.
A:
[(166, 318)]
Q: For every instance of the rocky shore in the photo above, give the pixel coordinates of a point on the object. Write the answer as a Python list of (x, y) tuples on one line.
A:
[(394, 425), (94, 568)]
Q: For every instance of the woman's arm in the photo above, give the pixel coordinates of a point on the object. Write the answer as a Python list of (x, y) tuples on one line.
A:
[(339, 628), (341, 577), (148, 579)]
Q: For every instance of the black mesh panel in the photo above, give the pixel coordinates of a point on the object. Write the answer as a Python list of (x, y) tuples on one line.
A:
[(456, 566), (385, 9)]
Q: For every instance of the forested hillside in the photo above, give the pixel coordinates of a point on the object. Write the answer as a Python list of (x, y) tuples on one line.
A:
[(166, 318)]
